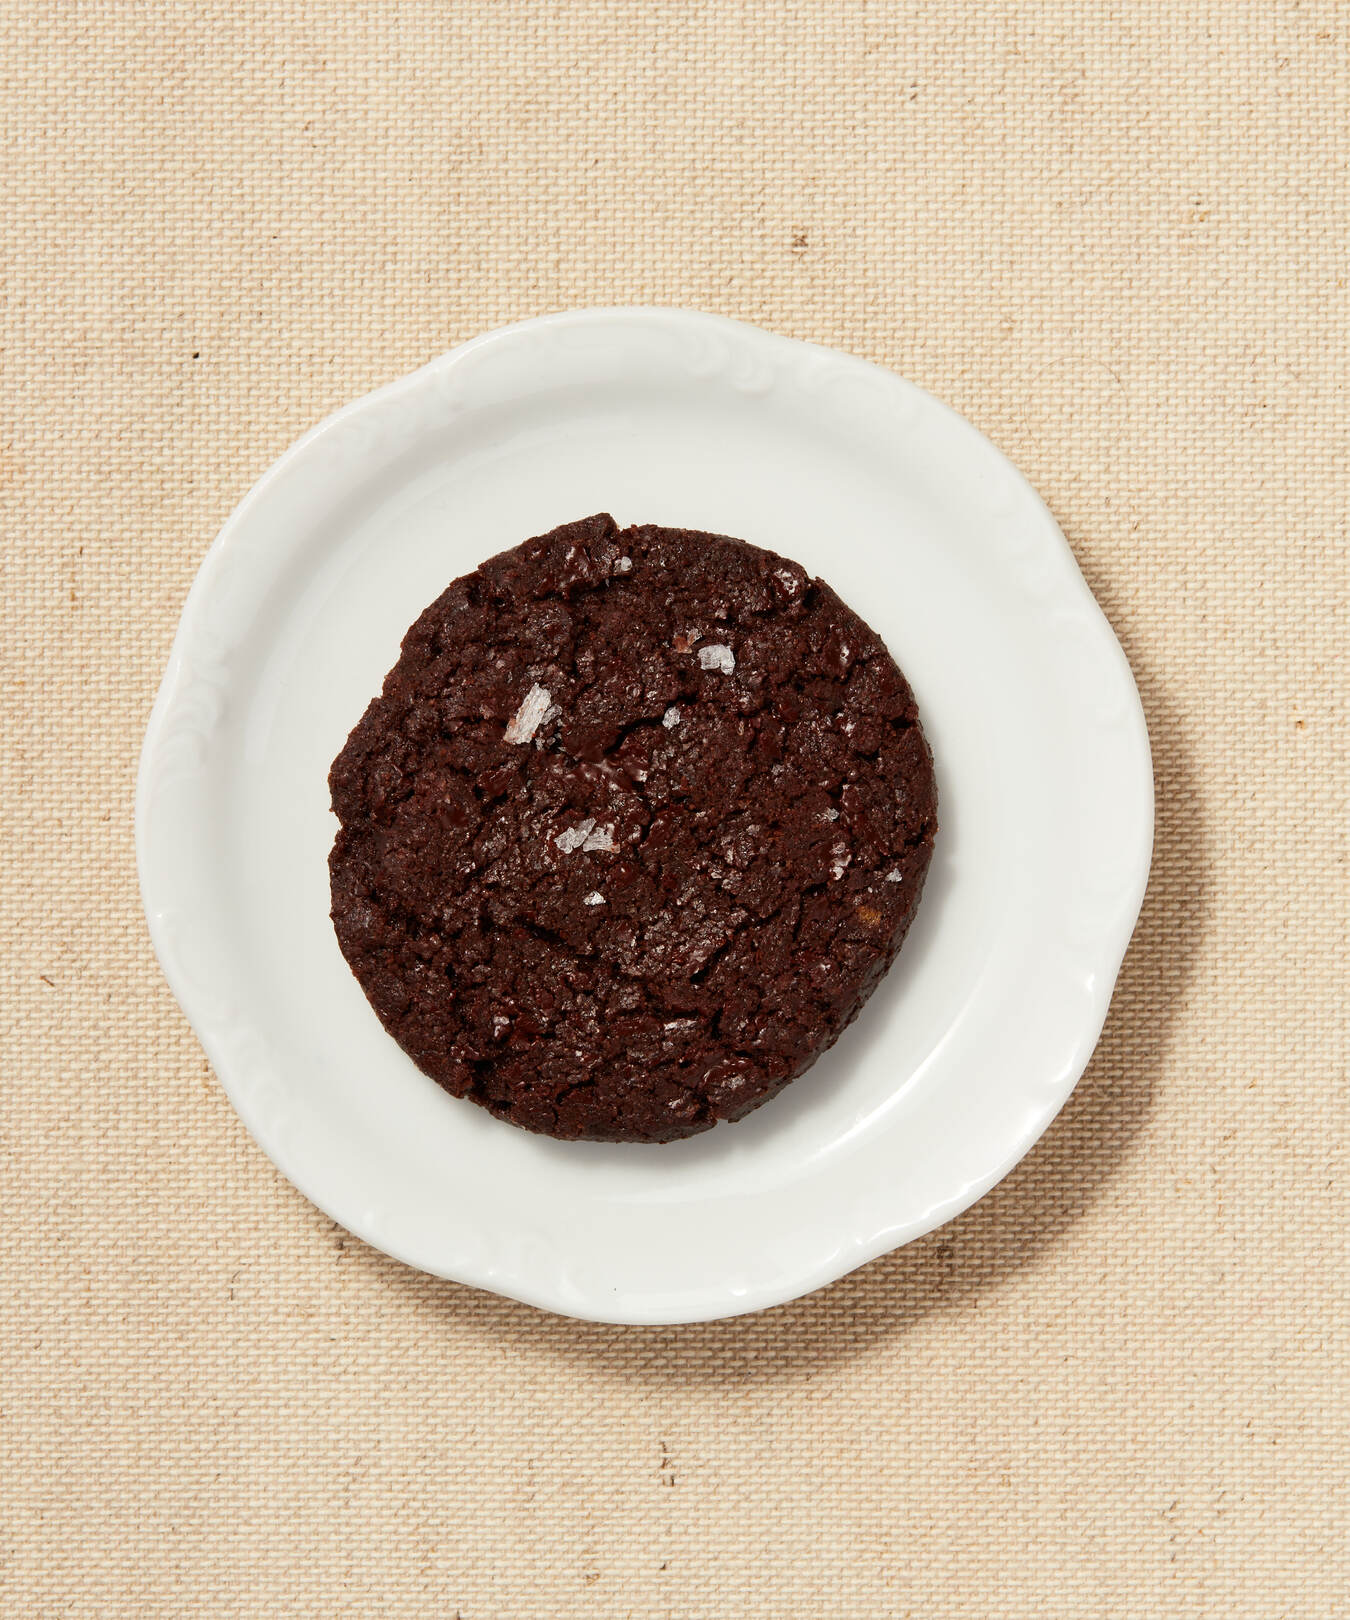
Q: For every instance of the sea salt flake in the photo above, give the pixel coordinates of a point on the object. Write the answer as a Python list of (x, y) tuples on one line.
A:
[(671, 718), (717, 656), (525, 721), (601, 839), (893, 877), (623, 565), (575, 837), (840, 861), (594, 898), (549, 715), (829, 815)]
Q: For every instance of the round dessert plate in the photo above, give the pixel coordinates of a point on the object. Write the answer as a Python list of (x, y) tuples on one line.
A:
[(971, 1045)]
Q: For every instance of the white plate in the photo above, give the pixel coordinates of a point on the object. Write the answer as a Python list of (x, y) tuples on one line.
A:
[(959, 1061)]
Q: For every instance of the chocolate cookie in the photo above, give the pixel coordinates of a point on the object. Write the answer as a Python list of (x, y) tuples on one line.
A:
[(636, 826)]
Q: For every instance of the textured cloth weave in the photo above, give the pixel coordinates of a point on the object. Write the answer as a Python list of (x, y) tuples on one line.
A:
[(1113, 235)]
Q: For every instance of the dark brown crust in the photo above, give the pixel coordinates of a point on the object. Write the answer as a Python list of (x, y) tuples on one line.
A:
[(771, 836)]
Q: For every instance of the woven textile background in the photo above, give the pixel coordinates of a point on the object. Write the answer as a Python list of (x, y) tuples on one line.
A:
[(1115, 236)]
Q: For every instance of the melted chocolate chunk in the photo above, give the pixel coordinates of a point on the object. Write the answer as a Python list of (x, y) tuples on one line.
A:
[(637, 824)]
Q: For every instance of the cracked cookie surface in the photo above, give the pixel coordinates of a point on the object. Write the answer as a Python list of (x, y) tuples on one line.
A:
[(637, 824)]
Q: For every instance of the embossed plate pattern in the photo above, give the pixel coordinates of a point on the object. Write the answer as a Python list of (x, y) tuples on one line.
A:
[(959, 1061)]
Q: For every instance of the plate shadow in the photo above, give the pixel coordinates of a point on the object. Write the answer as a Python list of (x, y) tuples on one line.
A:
[(1012, 1227)]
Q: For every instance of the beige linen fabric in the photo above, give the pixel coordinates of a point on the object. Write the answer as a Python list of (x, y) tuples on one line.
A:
[(1115, 236)]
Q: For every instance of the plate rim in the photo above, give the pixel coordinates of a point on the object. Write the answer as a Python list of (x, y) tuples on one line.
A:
[(852, 1251)]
